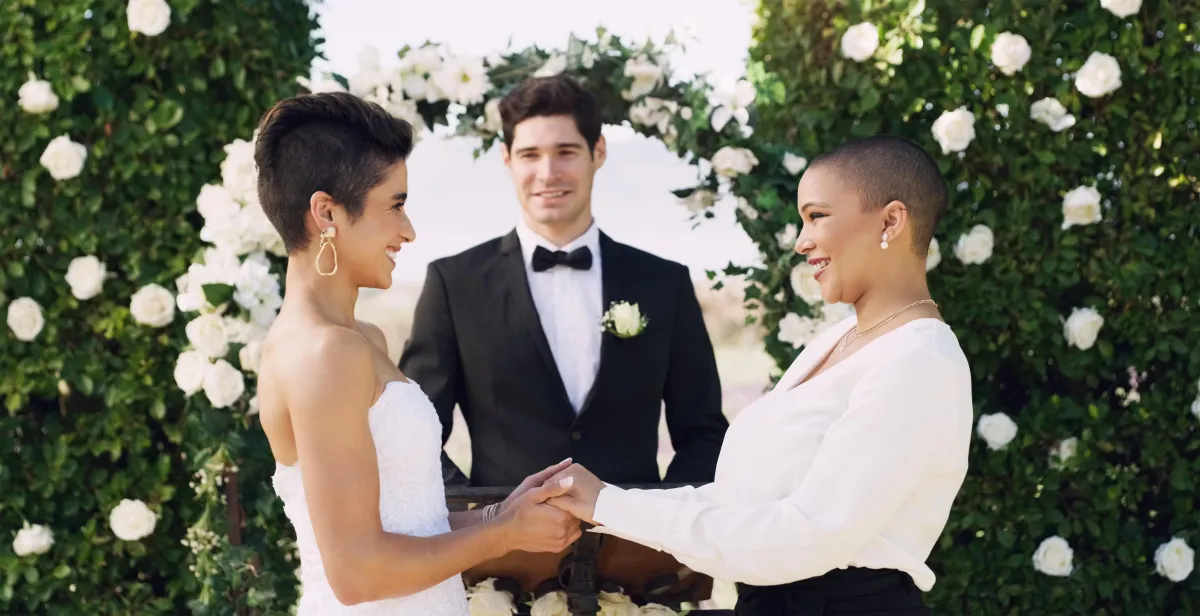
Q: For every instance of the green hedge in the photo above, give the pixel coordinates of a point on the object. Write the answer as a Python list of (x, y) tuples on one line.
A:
[(1128, 397), (91, 416)]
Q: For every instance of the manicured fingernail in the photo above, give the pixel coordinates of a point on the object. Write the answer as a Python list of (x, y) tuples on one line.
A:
[(566, 482), (565, 461)]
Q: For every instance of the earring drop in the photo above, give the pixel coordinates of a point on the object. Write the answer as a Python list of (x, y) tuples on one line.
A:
[(884, 244), (327, 235)]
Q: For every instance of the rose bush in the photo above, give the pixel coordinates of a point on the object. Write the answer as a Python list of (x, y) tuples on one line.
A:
[(115, 118), (1066, 132)]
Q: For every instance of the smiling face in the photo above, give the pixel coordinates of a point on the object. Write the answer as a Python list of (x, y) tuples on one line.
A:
[(840, 237), (367, 246), (552, 171)]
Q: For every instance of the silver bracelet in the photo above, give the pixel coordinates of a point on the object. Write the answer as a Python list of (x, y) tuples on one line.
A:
[(489, 512)]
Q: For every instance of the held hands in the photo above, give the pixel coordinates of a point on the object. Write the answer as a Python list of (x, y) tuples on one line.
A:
[(580, 498), (531, 525)]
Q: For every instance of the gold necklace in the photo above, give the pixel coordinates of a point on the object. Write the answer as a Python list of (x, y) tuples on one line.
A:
[(854, 334)]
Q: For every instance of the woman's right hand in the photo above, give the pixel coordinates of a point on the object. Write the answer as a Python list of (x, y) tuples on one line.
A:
[(530, 525)]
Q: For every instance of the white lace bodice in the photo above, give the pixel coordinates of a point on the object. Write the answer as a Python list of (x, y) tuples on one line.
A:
[(412, 501)]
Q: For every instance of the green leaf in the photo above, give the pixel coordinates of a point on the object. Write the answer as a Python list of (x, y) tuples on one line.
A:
[(216, 69), (158, 409), (218, 293), (977, 34)]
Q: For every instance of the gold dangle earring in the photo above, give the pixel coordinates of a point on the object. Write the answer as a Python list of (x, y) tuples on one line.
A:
[(327, 236)]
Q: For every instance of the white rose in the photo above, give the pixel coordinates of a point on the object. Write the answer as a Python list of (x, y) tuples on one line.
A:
[(150, 17), (1010, 52), (464, 80), (190, 369), (654, 609), (152, 305), (805, 284), (976, 246), (998, 429), (63, 158), (1081, 206), (746, 209), (1050, 112), (787, 236), (1064, 450), (33, 540), (1100, 75), (250, 356), (485, 600), (954, 130), (215, 202), (207, 334), (617, 604), (553, 66), (1175, 560), (1002, 109), (700, 200), (646, 76), (1054, 557), (626, 319), (935, 255), (1082, 327), (1196, 407), (860, 41), (85, 276), (1122, 8), (25, 318), (493, 121), (796, 330), (550, 604), (132, 520), (223, 384), (732, 162), (794, 164), (239, 174), (37, 96)]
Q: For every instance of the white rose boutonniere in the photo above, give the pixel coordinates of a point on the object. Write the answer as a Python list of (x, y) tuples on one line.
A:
[(623, 320), (550, 604)]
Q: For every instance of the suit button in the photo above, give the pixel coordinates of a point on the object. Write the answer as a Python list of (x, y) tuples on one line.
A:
[(576, 435)]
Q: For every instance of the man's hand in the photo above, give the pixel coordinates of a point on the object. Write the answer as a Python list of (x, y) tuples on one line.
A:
[(535, 480), (580, 499)]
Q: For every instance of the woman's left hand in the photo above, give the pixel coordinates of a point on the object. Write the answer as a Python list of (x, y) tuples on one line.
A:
[(580, 500)]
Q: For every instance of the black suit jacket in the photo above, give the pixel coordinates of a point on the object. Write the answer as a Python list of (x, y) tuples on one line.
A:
[(477, 342)]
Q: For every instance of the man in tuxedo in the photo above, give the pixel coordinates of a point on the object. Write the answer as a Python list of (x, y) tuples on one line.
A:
[(509, 330)]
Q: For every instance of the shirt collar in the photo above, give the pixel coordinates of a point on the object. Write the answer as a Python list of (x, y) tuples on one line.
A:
[(530, 240)]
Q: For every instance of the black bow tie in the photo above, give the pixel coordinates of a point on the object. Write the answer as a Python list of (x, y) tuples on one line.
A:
[(543, 259)]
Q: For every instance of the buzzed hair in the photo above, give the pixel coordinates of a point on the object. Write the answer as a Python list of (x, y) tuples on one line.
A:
[(886, 168)]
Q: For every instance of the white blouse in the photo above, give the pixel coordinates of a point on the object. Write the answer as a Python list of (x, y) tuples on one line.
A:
[(857, 467)]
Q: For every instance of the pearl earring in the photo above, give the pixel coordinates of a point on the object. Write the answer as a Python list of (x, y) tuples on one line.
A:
[(884, 243)]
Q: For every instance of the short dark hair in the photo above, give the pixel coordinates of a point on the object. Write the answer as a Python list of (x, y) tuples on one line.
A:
[(333, 142), (550, 96), (886, 168)]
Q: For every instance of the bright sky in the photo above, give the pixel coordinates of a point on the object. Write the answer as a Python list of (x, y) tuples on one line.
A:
[(457, 202)]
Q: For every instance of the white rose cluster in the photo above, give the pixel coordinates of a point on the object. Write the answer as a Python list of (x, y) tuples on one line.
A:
[(234, 220), (798, 331)]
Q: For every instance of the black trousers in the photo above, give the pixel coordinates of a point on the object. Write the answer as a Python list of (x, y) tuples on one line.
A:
[(878, 592)]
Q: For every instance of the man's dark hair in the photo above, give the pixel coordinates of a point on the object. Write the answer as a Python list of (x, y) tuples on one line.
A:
[(885, 168), (333, 142), (551, 96)]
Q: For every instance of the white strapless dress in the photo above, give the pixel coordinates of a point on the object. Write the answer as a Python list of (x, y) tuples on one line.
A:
[(412, 501)]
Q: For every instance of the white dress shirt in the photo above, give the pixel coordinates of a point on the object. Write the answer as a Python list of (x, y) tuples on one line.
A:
[(569, 304), (857, 467)]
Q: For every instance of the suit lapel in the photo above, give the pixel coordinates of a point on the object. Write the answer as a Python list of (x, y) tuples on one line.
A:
[(611, 276), (524, 310)]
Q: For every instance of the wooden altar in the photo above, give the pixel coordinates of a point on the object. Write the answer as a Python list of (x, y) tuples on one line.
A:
[(593, 564)]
